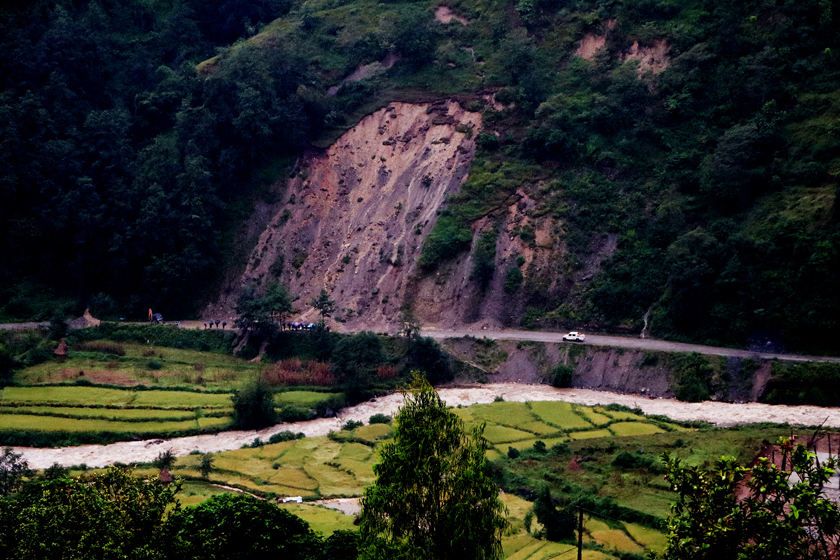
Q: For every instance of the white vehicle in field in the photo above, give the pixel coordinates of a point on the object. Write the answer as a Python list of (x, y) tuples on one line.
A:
[(574, 336)]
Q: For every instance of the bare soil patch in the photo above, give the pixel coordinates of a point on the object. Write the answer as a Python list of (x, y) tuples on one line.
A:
[(444, 14)]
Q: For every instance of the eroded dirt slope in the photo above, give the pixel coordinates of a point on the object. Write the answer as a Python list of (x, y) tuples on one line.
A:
[(357, 214)]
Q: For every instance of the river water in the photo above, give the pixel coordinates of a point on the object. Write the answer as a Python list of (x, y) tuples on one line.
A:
[(721, 414)]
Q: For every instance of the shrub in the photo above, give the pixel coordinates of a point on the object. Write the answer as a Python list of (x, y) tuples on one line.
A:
[(446, 240), (351, 425), (386, 372), (380, 418), (296, 372), (561, 376), (285, 436), (153, 364), (513, 279), (165, 460), (253, 406), (625, 460), (512, 453), (294, 414), (102, 346)]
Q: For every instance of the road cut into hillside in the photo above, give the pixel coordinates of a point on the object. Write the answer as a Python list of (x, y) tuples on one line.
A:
[(721, 414)]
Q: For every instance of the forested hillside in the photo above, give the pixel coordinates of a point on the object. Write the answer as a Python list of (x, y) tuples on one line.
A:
[(683, 154)]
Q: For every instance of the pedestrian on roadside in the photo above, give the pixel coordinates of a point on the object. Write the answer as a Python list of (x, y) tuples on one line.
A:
[(205, 325), (217, 323), (224, 325)]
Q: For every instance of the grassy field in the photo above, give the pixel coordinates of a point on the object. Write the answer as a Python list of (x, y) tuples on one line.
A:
[(144, 364)]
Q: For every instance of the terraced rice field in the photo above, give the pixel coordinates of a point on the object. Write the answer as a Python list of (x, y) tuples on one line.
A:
[(520, 425), (82, 409), (342, 465)]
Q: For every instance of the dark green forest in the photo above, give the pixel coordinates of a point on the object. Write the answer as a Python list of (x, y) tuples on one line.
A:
[(136, 136)]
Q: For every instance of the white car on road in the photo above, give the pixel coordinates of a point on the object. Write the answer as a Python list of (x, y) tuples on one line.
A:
[(574, 336)]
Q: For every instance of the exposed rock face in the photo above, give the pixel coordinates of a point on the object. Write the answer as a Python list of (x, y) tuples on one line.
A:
[(654, 58), (357, 214)]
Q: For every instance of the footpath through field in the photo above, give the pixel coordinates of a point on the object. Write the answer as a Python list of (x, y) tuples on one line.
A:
[(722, 414), (626, 342)]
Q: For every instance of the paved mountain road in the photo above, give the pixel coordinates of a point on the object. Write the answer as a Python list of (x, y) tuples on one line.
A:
[(625, 342), (556, 337)]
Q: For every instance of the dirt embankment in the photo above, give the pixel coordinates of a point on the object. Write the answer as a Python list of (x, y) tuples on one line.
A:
[(617, 370)]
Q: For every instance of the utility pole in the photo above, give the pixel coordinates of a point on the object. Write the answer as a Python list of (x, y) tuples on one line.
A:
[(580, 532)]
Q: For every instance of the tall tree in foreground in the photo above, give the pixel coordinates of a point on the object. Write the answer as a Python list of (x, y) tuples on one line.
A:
[(432, 498), (780, 514)]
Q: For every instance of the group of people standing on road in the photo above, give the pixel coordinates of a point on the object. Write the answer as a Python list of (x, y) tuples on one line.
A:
[(209, 324)]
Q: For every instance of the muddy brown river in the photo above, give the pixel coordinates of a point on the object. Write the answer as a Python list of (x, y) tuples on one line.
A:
[(721, 414)]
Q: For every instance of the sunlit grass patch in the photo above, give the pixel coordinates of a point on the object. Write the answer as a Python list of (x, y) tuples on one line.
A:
[(539, 428), (214, 422), (373, 432), (294, 478), (621, 415), (193, 493), (303, 398), (272, 451), (69, 395), (594, 417), (464, 414), (596, 555), (182, 399), (356, 451), (249, 467), (513, 544), (253, 485), (326, 451), (591, 524), (332, 481), (634, 429), (559, 414), (649, 538), (298, 454), (615, 539), (505, 413), (518, 445), (493, 454), (590, 434), (322, 519), (117, 414), (362, 471), (517, 507), (500, 434), (32, 423), (552, 550), (527, 550)]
